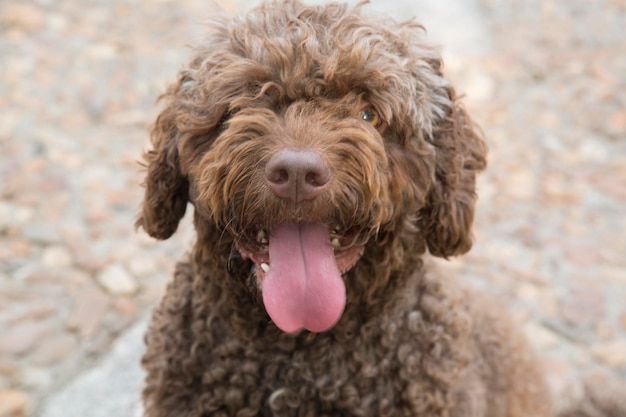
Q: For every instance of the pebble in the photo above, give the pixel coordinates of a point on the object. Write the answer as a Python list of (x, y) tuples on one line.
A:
[(130, 118), (35, 312), (559, 190), (23, 16), (91, 304), (152, 292), (75, 279), (611, 353), (614, 274), (56, 22), (56, 257), (594, 150), (54, 350), (604, 331), (480, 87), (12, 214), (582, 307), (563, 382), (7, 368), (43, 233), (86, 257), (540, 337), (520, 185), (126, 306), (37, 378), (20, 247), (582, 255), (103, 51), (527, 291), (19, 339), (23, 272), (117, 281), (13, 403), (142, 266)]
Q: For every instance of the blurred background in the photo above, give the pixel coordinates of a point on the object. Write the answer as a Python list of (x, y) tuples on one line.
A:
[(78, 78)]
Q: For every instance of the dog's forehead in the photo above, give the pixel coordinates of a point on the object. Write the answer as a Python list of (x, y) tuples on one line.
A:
[(283, 52), (335, 45)]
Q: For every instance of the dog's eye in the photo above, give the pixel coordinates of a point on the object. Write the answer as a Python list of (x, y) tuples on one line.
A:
[(370, 116)]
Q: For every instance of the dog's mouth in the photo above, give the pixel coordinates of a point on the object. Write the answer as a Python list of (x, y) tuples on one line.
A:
[(299, 267)]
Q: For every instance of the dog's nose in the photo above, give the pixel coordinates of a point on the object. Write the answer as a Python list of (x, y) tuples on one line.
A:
[(297, 174)]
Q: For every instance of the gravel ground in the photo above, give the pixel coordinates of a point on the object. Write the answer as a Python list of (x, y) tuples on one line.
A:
[(78, 78)]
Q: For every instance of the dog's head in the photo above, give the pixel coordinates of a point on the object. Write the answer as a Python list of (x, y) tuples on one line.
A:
[(301, 133)]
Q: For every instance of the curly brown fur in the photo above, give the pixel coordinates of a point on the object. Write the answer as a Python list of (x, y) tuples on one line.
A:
[(408, 343)]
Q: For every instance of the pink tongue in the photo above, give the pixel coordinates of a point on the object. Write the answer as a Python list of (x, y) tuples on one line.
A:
[(303, 288)]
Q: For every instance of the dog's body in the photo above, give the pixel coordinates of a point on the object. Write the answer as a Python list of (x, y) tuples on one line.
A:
[(426, 354), (323, 154)]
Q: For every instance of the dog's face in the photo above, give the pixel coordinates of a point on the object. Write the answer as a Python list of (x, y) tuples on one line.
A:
[(301, 133)]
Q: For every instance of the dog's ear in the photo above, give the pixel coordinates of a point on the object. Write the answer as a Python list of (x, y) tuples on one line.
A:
[(460, 153), (166, 188)]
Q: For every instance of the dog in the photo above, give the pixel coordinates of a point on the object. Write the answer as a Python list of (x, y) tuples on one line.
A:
[(326, 157)]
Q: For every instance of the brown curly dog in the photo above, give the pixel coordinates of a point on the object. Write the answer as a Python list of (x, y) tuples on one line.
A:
[(324, 154)]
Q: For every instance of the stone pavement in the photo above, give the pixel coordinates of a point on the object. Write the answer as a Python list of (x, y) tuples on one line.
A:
[(545, 80), (109, 389)]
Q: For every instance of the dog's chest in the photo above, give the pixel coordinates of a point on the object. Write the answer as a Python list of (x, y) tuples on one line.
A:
[(321, 378)]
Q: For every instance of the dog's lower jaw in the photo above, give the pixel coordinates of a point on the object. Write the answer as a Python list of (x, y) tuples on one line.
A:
[(300, 275)]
